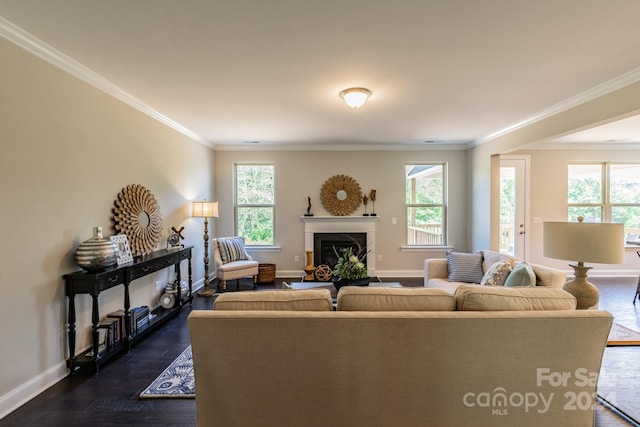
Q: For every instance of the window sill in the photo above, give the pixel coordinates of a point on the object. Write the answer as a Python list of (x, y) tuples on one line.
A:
[(424, 248), (262, 248)]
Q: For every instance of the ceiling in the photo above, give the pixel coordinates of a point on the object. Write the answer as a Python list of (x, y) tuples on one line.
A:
[(234, 72)]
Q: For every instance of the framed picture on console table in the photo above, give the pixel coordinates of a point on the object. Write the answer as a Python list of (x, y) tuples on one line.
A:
[(124, 250)]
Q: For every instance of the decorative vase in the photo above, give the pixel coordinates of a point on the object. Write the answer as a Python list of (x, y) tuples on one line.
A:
[(97, 253), (309, 268), (338, 282)]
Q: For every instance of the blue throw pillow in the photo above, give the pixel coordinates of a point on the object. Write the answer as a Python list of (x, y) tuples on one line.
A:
[(521, 275), (464, 267)]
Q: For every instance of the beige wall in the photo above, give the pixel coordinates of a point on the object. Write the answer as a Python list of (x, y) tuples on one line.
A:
[(301, 173), (483, 184), (67, 150), (548, 194)]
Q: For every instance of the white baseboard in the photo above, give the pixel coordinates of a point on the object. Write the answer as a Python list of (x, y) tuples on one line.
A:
[(400, 273), (27, 391), (607, 273)]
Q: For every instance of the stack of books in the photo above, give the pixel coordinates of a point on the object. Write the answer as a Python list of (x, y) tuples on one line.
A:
[(139, 319), (108, 334), (111, 330)]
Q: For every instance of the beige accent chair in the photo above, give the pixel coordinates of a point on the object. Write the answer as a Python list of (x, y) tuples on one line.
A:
[(234, 270)]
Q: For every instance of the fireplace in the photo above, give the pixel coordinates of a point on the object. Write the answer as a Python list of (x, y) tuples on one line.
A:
[(340, 226), (324, 244)]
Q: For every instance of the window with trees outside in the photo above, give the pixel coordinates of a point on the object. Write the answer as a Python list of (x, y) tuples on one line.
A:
[(605, 192), (426, 204), (255, 203)]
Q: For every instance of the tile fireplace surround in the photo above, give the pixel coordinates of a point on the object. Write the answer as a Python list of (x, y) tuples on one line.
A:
[(343, 224)]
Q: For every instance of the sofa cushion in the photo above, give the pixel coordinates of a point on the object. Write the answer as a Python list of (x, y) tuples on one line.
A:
[(521, 275), (363, 298), (232, 249), (237, 266), (497, 273), (465, 267), (488, 298), (294, 300)]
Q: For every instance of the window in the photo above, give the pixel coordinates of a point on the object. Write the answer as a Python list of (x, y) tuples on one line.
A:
[(425, 204), (605, 192), (255, 203)]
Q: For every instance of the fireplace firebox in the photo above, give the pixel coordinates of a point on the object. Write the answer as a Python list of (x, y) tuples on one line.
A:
[(324, 244)]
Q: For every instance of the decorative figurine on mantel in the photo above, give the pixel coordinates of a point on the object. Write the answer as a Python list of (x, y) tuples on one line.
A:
[(365, 200), (308, 207), (372, 196)]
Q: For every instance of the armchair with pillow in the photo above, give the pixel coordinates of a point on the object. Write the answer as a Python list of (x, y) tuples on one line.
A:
[(233, 262)]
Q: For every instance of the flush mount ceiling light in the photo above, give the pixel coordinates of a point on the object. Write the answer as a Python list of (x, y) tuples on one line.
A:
[(355, 97)]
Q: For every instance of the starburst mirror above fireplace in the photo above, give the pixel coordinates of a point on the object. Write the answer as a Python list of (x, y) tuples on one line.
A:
[(341, 195)]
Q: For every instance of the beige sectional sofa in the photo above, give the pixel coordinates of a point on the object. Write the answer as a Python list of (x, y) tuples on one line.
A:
[(436, 272), (397, 357)]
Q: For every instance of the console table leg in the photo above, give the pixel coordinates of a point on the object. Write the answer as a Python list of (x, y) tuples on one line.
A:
[(71, 333), (127, 316), (95, 319), (190, 279)]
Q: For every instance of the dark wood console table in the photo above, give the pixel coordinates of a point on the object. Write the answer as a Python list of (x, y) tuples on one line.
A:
[(82, 282)]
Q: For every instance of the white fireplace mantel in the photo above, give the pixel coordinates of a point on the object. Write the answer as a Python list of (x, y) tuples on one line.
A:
[(343, 224)]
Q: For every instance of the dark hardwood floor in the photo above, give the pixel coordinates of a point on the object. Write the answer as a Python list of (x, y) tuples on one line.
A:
[(110, 397)]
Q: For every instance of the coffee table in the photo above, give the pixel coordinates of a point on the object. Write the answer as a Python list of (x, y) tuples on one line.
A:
[(329, 285)]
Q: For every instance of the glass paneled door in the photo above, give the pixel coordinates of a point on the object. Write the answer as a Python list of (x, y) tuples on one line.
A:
[(513, 209)]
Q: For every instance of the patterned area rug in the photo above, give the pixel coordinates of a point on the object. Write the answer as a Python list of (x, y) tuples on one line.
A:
[(621, 335), (176, 381), (619, 381)]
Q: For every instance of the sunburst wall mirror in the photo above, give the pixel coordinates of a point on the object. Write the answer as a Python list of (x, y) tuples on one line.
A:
[(341, 195), (136, 213)]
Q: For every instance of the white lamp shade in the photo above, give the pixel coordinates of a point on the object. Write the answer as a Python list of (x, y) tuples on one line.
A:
[(355, 97), (205, 209), (597, 242)]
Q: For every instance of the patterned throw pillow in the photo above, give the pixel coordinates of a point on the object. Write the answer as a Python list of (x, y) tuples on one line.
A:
[(521, 275), (232, 249), (497, 273), (465, 267)]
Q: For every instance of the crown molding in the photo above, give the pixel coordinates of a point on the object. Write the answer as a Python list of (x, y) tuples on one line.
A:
[(614, 84), (42, 50), (584, 146), (343, 147)]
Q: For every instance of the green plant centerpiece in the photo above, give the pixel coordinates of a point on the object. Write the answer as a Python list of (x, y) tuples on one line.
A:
[(351, 269)]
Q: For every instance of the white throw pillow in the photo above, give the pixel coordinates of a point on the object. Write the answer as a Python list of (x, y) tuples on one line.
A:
[(497, 274)]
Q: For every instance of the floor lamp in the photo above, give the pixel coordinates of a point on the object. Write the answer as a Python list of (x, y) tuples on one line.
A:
[(205, 210), (599, 242)]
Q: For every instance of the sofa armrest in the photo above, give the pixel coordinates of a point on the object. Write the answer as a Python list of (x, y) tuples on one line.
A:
[(435, 268), (548, 276)]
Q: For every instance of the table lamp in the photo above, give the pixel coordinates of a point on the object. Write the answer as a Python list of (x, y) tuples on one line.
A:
[(205, 210), (595, 242)]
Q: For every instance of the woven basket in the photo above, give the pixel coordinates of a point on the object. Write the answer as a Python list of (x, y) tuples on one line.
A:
[(266, 273)]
